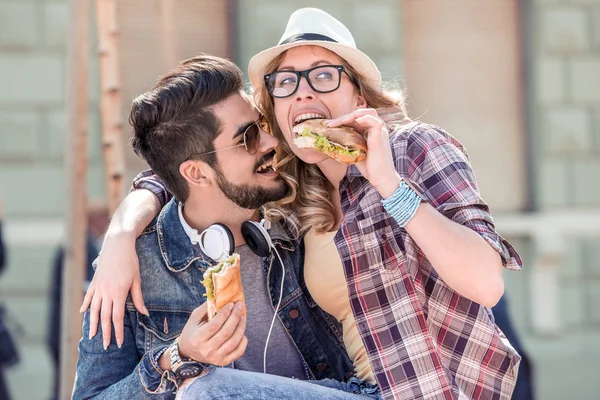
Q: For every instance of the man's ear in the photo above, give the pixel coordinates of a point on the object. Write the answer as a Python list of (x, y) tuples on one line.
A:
[(196, 173)]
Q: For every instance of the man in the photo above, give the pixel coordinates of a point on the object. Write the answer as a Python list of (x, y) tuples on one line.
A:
[(198, 132)]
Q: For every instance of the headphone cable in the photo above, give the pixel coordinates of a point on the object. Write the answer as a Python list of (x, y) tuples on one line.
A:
[(276, 308)]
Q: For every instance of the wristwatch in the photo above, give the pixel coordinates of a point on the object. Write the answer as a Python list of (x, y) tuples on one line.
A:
[(183, 367)]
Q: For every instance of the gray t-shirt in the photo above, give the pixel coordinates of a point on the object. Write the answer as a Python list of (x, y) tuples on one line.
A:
[(283, 358)]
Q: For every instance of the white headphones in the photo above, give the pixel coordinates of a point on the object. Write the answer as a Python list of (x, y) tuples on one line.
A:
[(217, 243), (217, 240)]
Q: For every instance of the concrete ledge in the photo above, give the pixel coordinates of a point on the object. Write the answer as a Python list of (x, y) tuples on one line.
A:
[(569, 222), (549, 232), (34, 232)]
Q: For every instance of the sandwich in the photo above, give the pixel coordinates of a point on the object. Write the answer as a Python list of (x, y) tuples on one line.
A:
[(343, 144), (223, 284)]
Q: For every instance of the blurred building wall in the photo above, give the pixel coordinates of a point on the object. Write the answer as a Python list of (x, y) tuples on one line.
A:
[(564, 119), (566, 101), (33, 122), (463, 71)]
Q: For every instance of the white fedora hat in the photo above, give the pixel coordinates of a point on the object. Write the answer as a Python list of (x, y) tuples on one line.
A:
[(314, 27)]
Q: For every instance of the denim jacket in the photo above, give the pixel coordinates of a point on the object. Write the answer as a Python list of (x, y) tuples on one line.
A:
[(171, 271)]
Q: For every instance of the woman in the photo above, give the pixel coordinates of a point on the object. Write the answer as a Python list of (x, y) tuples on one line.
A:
[(413, 268), (405, 229)]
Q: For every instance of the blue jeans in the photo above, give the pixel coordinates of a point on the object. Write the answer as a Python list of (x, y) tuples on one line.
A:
[(228, 383)]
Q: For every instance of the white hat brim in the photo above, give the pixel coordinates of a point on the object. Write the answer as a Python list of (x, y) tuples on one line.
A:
[(356, 58)]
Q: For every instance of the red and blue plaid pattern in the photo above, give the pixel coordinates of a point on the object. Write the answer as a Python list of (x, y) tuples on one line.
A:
[(423, 339), (149, 180)]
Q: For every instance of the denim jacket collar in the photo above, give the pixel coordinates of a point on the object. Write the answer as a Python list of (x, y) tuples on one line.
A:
[(279, 236), (177, 250), (175, 246)]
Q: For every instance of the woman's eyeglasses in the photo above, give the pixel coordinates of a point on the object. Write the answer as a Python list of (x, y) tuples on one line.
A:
[(322, 79)]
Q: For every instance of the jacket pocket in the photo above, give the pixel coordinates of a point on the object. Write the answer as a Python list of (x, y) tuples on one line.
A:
[(162, 326)]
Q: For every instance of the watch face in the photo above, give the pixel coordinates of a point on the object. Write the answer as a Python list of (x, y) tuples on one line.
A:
[(189, 370)]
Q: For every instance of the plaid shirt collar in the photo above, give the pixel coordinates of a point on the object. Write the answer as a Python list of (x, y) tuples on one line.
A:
[(352, 172)]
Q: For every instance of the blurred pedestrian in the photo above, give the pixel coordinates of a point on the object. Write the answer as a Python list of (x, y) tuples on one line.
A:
[(524, 387), (97, 225), (8, 351)]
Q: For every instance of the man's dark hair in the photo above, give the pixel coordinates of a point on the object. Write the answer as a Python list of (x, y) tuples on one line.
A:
[(173, 120)]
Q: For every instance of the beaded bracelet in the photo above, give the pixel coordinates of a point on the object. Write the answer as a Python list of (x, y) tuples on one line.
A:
[(402, 204)]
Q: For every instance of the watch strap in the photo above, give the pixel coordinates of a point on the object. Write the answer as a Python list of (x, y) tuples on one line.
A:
[(174, 356)]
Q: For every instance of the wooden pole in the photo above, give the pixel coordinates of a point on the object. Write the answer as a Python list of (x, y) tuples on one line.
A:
[(170, 52), (110, 100), (76, 177)]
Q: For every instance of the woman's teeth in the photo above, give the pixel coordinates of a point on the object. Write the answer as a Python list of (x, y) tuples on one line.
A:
[(305, 117)]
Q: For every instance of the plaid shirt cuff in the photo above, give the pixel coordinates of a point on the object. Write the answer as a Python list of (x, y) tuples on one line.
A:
[(149, 180)]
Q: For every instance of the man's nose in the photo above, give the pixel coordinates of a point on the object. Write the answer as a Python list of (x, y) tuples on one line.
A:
[(268, 142)]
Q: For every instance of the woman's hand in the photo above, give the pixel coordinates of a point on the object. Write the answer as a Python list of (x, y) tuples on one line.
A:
[(117, 272), (118, 269), (378, 167)]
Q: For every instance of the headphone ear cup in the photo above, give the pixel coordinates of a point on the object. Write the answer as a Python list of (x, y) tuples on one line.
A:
[(257, 238), (217, 242), (230, 240)]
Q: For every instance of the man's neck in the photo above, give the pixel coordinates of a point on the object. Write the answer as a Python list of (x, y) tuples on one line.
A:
[(200, 214)]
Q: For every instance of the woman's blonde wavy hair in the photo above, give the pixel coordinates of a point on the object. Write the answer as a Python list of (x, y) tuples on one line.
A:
[(309, 204)]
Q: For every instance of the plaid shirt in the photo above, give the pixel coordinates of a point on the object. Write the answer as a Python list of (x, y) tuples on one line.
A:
[(423, 339)]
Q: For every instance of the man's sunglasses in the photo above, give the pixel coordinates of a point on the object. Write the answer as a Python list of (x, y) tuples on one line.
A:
[(251, 139)]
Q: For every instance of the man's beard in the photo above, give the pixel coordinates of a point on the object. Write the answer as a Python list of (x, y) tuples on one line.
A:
[(250, 197)]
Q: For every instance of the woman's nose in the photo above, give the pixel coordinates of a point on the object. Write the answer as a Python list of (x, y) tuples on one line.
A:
[(304, 90)]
